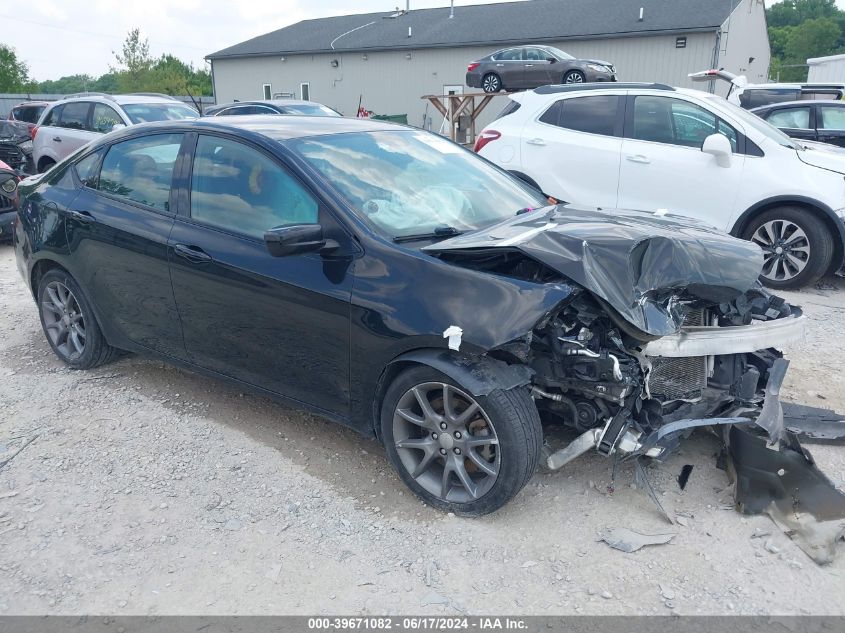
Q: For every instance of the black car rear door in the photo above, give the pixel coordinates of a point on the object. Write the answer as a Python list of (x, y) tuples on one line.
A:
[(279, 323), (117, 230), (830, 123)]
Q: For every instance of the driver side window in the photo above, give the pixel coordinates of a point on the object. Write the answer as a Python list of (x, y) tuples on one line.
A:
[(237, 188)]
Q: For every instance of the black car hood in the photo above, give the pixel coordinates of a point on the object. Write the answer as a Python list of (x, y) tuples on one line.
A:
[(598, 61), (641, 264), (13, 131)]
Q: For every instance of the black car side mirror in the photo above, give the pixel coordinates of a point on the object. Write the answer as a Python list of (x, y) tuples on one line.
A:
[(8, 183), (294, 239), (551, 60)]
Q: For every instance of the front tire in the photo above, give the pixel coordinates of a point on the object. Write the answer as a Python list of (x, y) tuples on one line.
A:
[(460, 453), (797, 247), (491, 82), (69, 323)]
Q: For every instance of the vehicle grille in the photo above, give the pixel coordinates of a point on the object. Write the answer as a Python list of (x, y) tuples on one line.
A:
[(680, 378)]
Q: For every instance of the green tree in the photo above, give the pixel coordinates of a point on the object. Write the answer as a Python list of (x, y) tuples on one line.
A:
[(794, 12), (133, 62), (14, 73), (67, 85), (811, 38), (171, 75)]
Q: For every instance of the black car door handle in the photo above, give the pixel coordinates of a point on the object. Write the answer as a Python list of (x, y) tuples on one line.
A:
[(57, 139), (193, 254), (80, 216)]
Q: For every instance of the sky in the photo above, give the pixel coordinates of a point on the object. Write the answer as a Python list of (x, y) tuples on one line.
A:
[(67, 37)]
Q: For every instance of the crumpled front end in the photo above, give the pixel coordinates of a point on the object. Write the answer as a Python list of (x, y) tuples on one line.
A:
[(635, 395)]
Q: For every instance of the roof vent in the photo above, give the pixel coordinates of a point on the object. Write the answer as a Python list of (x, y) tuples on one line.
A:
[(640, 19)]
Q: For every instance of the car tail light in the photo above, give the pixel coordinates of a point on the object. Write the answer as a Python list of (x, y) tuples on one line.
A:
[(472, 66), (33, 132), (485, 137)]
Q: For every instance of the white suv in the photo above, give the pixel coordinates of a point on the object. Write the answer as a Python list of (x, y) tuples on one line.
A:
[(67, 125), (671, 150)]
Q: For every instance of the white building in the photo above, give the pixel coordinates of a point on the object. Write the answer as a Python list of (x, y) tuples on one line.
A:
[(830, 69), (390, 60)]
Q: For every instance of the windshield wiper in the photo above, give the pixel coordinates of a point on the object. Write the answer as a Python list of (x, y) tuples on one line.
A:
[(438, 231)]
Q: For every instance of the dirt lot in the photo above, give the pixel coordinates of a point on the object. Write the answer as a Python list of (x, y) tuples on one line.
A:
[(151, 490)]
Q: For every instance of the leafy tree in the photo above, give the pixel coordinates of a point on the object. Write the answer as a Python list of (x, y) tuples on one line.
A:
[(794, 12), (173, 76), (812, 38), (14, 73), (133, 62), (67, 84)]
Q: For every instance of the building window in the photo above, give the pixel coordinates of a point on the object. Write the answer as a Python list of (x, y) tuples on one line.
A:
[(268, 91), (305, 92), (680, 42)]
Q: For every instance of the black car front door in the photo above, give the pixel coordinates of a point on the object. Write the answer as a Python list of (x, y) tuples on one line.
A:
[(795, 121), (279, 323), (830, 123), (117, 230)]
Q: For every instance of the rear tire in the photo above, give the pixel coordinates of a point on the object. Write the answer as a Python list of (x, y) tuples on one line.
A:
[(491, 82), (472, 465), (797, 245), (69, 323)]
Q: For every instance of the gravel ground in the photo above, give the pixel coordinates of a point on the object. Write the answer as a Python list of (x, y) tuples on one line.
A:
[(146, 489)]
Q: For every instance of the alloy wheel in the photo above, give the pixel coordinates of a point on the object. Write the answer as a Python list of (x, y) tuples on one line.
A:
[(491, 84), (63, 320), (573, 78), (446, 442), (786, 249)]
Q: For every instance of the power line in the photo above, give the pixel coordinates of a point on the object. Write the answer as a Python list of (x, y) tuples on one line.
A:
[(110, 36)]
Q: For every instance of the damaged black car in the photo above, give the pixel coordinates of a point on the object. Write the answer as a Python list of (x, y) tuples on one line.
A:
[(387, 278), (16, 146)]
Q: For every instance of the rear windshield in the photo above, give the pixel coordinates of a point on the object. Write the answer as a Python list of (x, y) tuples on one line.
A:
[(28, 114), (146, 112)]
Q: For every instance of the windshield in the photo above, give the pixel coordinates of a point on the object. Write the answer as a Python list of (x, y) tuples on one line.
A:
[(310, 110), (753, 121), (411, 183), (558, 53), (146, 112)]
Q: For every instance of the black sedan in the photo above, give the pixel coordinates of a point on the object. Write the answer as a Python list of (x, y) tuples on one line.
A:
[(822, 121), (393, 281), (270, 106), (527, 67)]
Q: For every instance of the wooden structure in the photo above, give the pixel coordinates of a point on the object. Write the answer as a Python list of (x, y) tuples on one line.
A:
[(453, 106)]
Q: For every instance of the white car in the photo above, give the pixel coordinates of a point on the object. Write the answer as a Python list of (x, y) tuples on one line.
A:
[(670, 150), (67, 125)]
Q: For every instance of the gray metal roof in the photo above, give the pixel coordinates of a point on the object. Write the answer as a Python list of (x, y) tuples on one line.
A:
[(487, 24)]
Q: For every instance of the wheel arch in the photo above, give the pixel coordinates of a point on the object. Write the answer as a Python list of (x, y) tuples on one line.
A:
[(41, 268), (822, 211), (479, 375)]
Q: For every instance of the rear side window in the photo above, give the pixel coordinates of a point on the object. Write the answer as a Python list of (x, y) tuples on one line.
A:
[(510, 108), (594, 115), (75, 116), (87, 171), (795, 118), (141, 169), (510, 55)]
